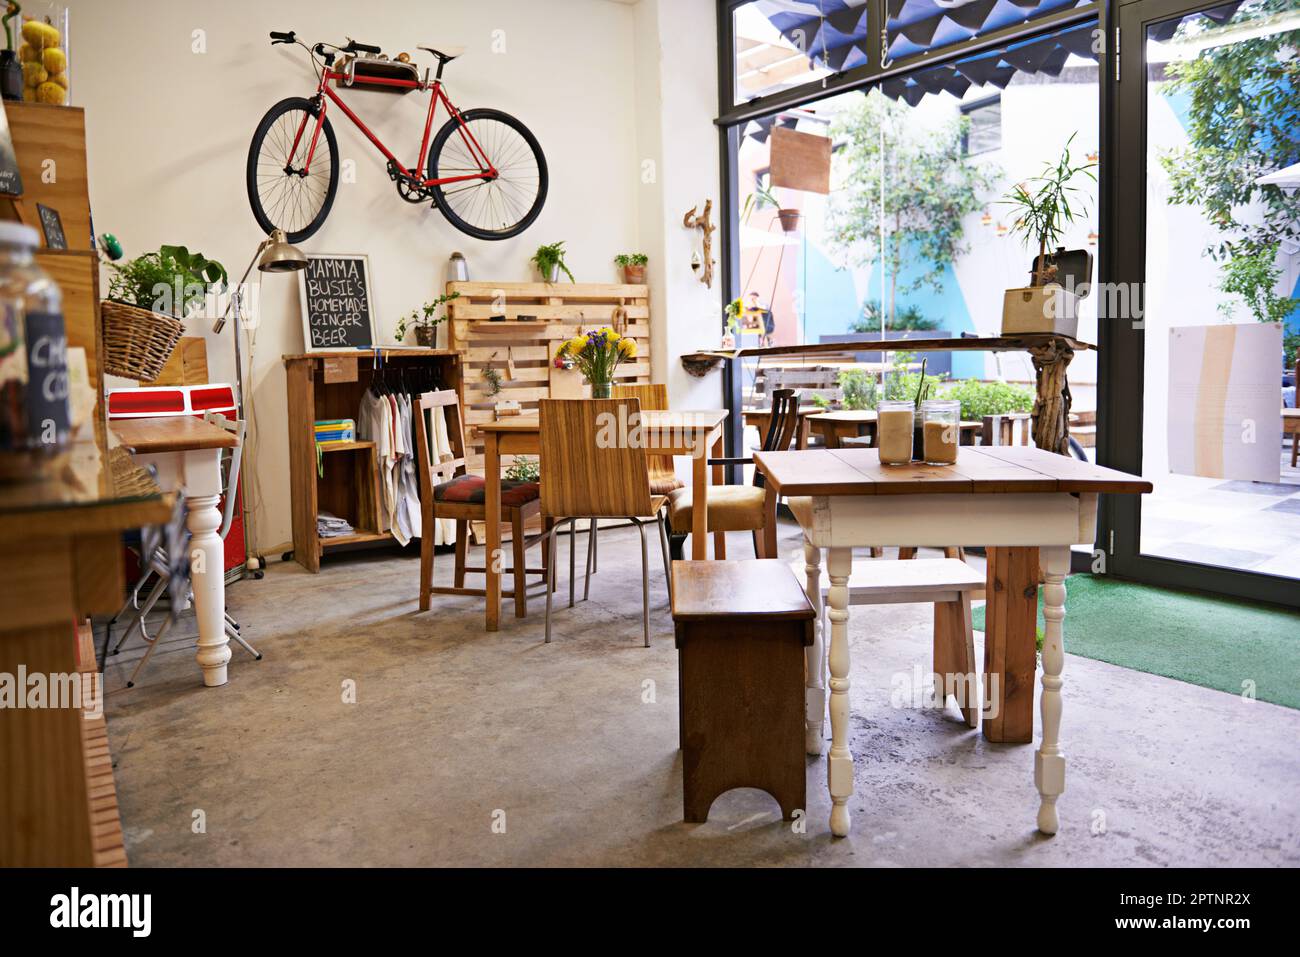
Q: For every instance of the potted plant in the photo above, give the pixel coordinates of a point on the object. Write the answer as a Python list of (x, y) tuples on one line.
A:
[(147, 298), (422, 321), (596, 354), (11, 70), (549, 260), (633, 266), (1042, 209), (763, 196)]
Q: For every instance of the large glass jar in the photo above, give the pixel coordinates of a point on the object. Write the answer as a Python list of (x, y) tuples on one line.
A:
[(43, 52), (941, 431), (33, 359), (894, 431)]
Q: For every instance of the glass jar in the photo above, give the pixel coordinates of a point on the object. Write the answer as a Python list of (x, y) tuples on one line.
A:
[(33, 360), (941, 431), (894, 431), (43, 52)]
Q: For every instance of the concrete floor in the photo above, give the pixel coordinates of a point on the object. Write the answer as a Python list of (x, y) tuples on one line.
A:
[(465, 748)]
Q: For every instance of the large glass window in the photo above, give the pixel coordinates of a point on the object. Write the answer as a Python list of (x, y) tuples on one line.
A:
[(1222, 308), (786, 43), (914, 237)]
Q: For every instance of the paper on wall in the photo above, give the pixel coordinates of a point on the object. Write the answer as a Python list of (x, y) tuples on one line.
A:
[(1224, 418)]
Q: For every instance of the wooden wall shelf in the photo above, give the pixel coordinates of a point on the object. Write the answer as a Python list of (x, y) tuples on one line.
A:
[(521, 350)]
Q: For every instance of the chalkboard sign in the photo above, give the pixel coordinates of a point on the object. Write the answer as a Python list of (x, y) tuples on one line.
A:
[(52, 226), (11, 182), (337, 311)]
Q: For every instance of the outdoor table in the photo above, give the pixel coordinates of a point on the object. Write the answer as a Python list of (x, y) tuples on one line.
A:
[(1049, 352), (835, 427), (664, 432), (1026, 505), (761, 419)]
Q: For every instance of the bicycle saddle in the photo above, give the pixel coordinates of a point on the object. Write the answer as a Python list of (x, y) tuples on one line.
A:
[(446, 54)]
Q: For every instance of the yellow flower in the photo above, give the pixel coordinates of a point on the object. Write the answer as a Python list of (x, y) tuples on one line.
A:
[(628, 348)]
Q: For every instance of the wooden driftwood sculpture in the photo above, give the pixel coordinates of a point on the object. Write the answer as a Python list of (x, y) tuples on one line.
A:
[(703, 222)]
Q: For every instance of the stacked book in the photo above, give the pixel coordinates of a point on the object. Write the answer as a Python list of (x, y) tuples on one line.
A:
[(331, 433)]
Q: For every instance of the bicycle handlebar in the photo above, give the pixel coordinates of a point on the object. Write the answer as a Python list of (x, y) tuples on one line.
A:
[(279, 37), (355, 47)]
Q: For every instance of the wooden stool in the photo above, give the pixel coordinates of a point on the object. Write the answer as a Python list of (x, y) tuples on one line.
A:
[(742, 627), (948, 583)]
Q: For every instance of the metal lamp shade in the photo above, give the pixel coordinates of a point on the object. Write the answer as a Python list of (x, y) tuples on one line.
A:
[(281, 255)]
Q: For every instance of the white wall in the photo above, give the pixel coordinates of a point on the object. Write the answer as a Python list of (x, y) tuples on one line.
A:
[(676, 102), (168, 129)]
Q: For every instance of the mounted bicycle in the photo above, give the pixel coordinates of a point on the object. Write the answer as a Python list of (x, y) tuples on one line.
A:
[(485, 171)]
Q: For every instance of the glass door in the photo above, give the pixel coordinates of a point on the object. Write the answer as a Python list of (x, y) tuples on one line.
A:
[(1202, 296)]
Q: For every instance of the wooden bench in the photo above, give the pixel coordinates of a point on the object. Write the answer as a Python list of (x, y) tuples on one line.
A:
[(948, 583), (742, 630)]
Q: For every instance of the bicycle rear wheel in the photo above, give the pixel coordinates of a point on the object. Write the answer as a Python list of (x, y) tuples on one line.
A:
[(281, 194), (488, 208)]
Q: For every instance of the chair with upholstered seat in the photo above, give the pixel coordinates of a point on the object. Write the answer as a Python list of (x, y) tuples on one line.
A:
[(653, 398), (737, 508), (448, 491), (583, 477)]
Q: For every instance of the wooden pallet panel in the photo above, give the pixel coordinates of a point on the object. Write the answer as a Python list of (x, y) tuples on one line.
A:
[(522, 350)]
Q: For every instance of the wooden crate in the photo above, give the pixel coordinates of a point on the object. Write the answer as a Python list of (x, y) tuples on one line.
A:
[(44, 134), (522, 349)]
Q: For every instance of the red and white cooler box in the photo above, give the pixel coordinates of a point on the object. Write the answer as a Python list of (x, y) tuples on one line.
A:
[(158, 401)]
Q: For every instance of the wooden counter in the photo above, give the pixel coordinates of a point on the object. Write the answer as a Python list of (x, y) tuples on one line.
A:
[(60, 561)]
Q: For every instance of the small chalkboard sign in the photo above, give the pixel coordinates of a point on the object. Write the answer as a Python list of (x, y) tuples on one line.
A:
[(52, 226), (337, 307), (11, 181)]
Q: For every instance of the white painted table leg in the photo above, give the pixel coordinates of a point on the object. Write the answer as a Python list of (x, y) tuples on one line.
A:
[(1049, 761), (815, 692), (207, 561), (839, 765)]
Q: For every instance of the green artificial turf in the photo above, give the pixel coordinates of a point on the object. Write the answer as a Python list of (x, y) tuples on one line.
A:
[(1208, 641)]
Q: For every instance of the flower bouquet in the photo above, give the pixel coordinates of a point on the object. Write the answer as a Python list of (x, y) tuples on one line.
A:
[(596, 354)]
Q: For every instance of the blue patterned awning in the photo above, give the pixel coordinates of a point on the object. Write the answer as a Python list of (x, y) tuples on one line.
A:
[(1042, 55)]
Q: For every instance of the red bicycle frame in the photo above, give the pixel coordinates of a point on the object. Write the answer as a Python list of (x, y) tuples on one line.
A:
[(324, 91)]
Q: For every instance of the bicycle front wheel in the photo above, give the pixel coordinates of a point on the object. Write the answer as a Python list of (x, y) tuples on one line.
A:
[(485, 207), (282, 192)]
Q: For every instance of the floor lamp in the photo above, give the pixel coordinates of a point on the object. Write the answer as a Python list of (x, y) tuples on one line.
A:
[(273, 254)]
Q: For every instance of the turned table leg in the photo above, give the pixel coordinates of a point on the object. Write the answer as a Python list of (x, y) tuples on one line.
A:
[(815, 664), (202, 469), (1049, 762), (839, 764)]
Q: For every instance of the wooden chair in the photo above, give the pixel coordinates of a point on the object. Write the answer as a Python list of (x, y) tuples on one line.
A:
[(663, 476), (653, 398), (737, 508), (583, 479), (447, 491)]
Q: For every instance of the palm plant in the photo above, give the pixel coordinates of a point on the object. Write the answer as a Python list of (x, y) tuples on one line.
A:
[(1043, 208)]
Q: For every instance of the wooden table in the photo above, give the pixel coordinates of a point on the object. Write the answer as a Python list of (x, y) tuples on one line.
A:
[(835, 427), (61, 561), (697, 434), (187, 453), (1027, 506), (761, 419)]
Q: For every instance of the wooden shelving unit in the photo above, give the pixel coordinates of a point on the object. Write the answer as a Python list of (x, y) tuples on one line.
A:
[(329, 385), (521, 349)]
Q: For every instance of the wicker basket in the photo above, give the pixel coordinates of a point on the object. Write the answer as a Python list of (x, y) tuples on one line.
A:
[(137, 342)]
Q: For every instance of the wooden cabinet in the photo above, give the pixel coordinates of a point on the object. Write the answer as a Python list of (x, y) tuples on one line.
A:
[(329, 385)]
